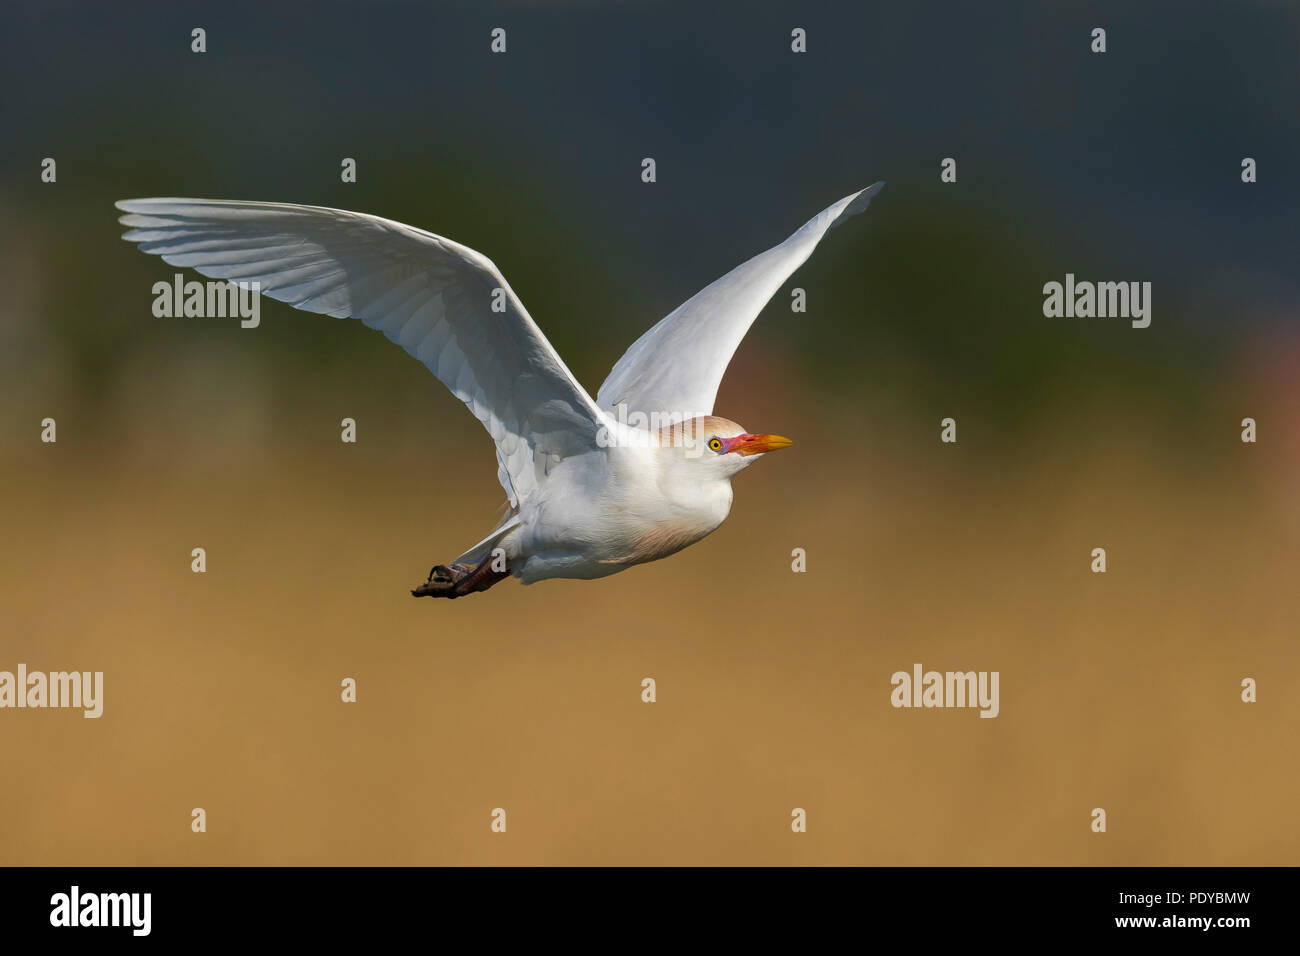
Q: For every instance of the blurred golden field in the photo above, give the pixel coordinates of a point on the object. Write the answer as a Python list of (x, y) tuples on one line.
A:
[(222, 689)]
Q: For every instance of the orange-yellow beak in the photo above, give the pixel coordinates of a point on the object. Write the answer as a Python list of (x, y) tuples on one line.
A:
[(759, 444)]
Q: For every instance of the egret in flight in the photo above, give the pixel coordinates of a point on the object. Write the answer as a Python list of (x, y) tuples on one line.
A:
[(594, 486)]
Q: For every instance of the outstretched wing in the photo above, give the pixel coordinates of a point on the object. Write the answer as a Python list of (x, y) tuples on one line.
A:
[(445, 304), (678, 365)]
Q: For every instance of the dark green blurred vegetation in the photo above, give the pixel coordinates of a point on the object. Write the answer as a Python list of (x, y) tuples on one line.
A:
[(929, 305)]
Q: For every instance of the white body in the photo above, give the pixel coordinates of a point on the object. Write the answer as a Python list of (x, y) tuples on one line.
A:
[(589, 493), (607, 510)]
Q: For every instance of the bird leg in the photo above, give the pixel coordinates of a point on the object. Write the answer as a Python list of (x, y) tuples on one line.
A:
[(460, 579)]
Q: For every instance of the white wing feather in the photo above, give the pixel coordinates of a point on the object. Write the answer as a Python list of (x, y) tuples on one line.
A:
[(428, 294), (677, 366)]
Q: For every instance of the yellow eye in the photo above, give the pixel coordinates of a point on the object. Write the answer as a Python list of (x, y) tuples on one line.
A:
[(715, 444)]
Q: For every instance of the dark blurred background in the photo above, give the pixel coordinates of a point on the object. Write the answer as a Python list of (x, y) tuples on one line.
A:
[(1118, 690)]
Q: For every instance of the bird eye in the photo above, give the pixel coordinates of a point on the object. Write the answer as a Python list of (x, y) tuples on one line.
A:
[(715, 444)]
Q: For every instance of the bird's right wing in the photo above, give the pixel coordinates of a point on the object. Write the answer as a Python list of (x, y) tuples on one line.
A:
[(677, 366), (445, 304)]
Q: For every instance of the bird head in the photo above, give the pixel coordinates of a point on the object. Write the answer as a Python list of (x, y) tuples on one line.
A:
[(719, 445)]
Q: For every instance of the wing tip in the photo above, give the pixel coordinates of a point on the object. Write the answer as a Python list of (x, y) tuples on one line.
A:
[(131, 208), (142, 212), (858, 201), (139, 205)]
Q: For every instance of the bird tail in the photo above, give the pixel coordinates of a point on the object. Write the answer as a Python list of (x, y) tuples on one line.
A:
[(480, 551)]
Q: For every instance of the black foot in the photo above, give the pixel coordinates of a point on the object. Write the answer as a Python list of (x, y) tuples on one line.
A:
[(443, 580)]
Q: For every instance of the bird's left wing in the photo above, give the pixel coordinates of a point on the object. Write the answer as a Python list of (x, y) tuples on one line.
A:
[(677, 366), (444, 303)]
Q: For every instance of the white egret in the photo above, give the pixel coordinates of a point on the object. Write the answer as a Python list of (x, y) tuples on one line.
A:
[(594, 486)]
